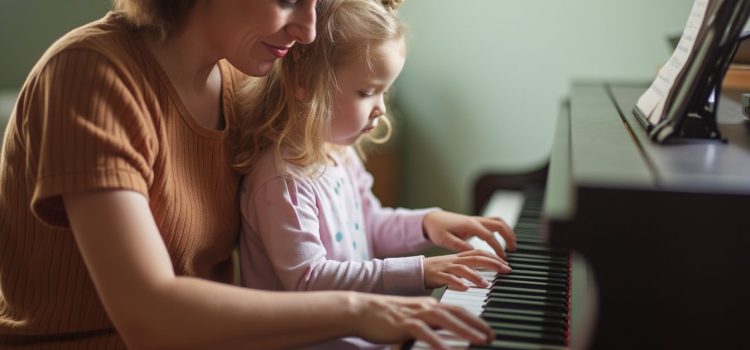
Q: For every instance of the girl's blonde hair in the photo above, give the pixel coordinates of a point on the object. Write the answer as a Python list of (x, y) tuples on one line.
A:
[(161, 16), (273, 111)]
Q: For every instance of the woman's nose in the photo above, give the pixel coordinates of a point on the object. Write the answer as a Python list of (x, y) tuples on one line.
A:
[(302, 27)]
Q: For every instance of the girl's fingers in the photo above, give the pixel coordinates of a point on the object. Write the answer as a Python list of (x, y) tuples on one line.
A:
[(468, 274), (487, 236), (500, 226), (453, 282), (456, 244), (481, 262), (481, 252)]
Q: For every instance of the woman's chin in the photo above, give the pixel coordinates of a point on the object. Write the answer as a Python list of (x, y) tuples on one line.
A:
[(256, 69)]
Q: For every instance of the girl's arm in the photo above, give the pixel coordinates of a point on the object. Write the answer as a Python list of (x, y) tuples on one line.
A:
[(152, 308), (399, 231), (282, 221), (390, 231)]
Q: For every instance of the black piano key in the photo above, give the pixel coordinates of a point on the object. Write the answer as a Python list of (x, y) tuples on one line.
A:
[(514, 345), (529, 296), (514, 335), (542, 257), (528, 248), (535, 261), (552, 323), (516, 265), (538, 273), (551, 280), (531, 285), (531, 291), (554, 331), (553, 286), (552, 304), (526, 305), (527, 312), (537, 278)]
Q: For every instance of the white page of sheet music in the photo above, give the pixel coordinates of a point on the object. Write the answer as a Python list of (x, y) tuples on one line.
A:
[(652, 102)]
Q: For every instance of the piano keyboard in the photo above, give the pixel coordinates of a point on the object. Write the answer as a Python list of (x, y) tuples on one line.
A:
[(528, 308)]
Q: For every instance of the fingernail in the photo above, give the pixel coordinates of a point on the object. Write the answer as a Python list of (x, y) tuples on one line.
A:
[(481, 337)]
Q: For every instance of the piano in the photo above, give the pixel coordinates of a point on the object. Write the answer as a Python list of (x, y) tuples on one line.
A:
[(624, 243)]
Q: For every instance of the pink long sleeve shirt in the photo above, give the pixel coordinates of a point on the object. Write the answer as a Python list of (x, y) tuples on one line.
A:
[(326, 232)]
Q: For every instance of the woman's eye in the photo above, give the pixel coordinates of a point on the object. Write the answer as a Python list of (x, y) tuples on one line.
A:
[(288, 2)]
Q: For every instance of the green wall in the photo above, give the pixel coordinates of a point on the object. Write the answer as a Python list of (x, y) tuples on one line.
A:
[(28, 27), (484, 78), (482, 83)]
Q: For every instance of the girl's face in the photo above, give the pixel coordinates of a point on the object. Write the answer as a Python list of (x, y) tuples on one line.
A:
[(252, 34), (359, 98)]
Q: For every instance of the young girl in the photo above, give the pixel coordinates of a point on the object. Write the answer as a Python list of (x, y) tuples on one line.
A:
[(310, 221)]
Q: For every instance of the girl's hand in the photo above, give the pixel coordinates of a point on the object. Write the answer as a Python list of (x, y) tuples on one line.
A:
[(390, 319), (451, 231), (449, 269)]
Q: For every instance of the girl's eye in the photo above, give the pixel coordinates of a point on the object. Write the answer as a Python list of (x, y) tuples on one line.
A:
[(367, 93)]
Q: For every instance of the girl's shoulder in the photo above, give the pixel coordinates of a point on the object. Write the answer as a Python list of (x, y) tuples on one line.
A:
[(271, 165), (349, 158)]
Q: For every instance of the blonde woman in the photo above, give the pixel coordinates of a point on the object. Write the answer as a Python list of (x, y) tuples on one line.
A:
[(119, 206)]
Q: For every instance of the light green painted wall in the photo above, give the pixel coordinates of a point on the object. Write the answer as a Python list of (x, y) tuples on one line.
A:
[(28, 27), (484, 78), (482, 83)]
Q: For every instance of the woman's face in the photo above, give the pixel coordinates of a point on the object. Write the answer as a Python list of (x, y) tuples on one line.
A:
[(252, 34)]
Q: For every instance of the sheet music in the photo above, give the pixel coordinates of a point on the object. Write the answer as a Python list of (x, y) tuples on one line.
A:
[(652, 102)]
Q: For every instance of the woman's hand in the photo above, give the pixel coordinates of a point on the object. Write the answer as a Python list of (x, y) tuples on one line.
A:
[(449, 269), (451, 231), (389, 319)]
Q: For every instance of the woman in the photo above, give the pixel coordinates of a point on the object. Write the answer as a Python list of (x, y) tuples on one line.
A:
[(119, 207)]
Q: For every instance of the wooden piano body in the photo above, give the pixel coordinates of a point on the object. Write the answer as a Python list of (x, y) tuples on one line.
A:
[(660, 234), (665, 227)]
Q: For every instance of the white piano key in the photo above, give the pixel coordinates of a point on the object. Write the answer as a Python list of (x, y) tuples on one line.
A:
[(505, 204)]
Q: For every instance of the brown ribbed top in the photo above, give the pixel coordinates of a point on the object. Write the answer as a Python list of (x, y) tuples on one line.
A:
[(97, 112)]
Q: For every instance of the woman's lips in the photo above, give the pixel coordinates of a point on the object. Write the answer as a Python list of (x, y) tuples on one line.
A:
[(278, 51)]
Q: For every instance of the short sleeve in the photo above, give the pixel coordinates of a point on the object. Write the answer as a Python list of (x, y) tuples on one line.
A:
[(87, 131)]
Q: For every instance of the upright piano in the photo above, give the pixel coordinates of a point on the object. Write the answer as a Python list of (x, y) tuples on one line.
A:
[(624, 243)]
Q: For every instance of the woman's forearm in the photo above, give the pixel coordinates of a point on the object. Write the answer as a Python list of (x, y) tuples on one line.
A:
[(196, 313), (153, 308)]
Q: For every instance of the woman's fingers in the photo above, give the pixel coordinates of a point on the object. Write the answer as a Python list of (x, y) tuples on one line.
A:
[(419, 330), (447, 318), (471, 320)]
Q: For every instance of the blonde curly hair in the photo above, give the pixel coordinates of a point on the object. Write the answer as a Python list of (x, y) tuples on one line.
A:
[(392, 5), (271, 113)]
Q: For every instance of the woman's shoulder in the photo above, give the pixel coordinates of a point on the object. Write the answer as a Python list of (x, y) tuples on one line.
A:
[(109, 37)]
